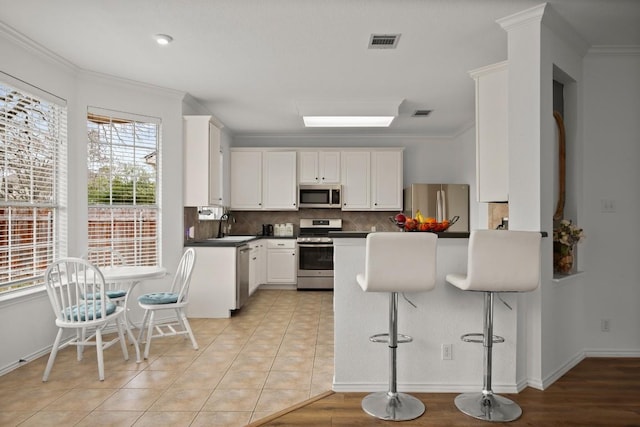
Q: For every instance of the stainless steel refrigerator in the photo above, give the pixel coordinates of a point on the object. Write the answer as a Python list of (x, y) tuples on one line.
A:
[(440, 201)]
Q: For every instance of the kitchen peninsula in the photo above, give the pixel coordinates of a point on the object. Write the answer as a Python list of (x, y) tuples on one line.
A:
[(441, 317)]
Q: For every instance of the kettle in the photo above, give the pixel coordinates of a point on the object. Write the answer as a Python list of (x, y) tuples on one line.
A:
[(267, 229)]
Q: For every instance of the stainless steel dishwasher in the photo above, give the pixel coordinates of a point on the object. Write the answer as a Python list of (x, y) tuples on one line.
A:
[(242, 275)]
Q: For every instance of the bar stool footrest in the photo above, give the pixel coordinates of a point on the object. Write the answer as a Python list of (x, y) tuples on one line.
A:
[(479, 338), (384, 338)]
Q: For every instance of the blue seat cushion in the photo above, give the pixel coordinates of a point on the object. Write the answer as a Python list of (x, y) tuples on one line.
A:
[(89, 311), (158, 298), (115, 293)]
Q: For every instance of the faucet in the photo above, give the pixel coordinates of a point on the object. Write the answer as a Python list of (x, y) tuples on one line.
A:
[(221, 227)]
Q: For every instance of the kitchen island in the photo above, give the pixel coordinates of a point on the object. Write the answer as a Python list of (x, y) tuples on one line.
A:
[(441, 317)]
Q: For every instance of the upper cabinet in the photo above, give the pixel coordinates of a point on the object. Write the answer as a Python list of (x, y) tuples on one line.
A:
[(356, 180), (279, 189), (203, 159), (262, 180), (319, 167), (372, 180), (386, 180), (492, 148), (246, 180), (268, 178)]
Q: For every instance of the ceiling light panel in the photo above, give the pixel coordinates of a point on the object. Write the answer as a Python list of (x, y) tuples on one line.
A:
[(347, 121)]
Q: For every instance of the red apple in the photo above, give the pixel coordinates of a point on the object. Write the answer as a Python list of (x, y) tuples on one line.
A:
[(400, 218)]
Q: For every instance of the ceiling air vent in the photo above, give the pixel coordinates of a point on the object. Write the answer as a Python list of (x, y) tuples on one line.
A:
[(383, 41), (422, 113)]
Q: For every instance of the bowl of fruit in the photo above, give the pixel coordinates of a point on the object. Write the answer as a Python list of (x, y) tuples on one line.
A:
[(422, 223)]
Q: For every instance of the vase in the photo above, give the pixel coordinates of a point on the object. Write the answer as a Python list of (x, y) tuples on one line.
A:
[(563, 258)]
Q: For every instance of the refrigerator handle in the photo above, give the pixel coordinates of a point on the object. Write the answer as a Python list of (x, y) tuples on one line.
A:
[(441, 206)]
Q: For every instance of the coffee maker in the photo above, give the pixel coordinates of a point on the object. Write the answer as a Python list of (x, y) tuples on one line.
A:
[(267, 229)]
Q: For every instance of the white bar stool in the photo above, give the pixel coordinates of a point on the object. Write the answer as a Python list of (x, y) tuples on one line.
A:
[(397, 262), (499, 261)]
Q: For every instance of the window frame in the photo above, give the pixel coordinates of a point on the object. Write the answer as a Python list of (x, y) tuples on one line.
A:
[(134, 248), (46, 191)]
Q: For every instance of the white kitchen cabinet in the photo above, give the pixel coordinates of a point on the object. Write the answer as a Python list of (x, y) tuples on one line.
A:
[(279, 190), (263, 180), (372, 180), (492, 148), (254, 266), (356, 180), (319, 167), (246, 180), (203, 160), (212, 292), (386, 180), (281, 261), (261, 273)]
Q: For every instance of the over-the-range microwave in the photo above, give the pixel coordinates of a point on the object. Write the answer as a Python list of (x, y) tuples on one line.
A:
[(319, 196)]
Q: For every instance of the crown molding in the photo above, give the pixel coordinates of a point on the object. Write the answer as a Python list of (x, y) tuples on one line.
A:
[(108, 78), (630, 50), (531, 15), (32, 46)]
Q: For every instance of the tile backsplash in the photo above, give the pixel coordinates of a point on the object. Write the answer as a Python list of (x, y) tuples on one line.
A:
[(250, 222)]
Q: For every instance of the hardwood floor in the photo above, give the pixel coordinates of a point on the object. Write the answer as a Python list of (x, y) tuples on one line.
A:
[(597, 392)]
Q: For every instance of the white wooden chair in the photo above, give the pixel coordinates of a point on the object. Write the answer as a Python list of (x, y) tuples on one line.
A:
[(77, 294), (103, 257), (176, 299)]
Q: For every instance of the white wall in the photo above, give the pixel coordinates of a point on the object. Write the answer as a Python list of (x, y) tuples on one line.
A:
[(611, 172), (29, 63)]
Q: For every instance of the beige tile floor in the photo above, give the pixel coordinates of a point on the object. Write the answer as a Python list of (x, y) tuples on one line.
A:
[(275, 352)]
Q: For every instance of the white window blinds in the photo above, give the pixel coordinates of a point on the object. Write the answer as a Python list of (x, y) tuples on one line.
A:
[(122, 185), (33, 136)]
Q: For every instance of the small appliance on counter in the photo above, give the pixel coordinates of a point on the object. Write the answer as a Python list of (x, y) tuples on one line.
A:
[(440, 201), (283, 230), (267, 229)]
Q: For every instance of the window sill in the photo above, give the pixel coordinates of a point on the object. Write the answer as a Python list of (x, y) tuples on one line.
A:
[(14, 296), (563, 277)]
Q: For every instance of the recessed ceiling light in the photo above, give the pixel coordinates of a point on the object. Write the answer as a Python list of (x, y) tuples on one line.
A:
[(347, 121), (163, 39)]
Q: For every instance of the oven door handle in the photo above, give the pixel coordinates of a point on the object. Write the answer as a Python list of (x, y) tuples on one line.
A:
[(315, 245)]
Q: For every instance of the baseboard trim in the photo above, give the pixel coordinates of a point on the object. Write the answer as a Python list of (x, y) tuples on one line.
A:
[(604, 352), (421, 388)]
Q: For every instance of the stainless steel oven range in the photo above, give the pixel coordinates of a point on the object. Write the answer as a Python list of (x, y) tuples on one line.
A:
[(315, 253)]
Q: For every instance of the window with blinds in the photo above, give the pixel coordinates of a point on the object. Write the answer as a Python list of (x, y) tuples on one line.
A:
[(122, 185), (33, 138)]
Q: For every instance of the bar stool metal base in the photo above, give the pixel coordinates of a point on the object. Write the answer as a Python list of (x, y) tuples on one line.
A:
[(393, 406), (488, 407)]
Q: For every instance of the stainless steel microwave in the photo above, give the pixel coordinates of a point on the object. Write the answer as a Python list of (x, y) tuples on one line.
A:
[(320, 196)]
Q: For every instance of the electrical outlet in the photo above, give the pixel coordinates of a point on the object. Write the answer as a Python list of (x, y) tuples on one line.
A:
[(446, 352), (608, 206), (605, 325)]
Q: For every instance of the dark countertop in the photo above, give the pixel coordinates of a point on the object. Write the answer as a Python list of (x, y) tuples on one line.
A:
[(363, 234), (221, 243), (443, 235)]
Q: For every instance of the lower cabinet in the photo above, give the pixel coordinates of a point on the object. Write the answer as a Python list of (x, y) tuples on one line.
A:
[(281, 261), (257, 265), (212, 292)]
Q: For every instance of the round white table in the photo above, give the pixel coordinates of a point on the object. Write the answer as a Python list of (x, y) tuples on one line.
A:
[(131, 275)]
